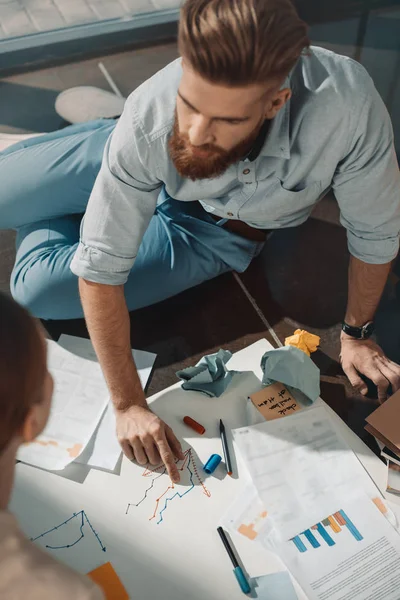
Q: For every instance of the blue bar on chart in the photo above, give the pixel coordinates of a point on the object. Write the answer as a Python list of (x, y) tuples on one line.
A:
[(351, 527), (327, 530), (325, 535), (311, 538), (299, 544)]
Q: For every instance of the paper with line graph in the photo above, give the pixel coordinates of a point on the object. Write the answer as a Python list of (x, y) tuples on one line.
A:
[(79, 399), (156, 534), (73, 538), (158, 491)]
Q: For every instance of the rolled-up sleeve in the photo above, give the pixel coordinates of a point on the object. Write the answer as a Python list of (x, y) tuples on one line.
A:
[(367, 183), (120, 207)]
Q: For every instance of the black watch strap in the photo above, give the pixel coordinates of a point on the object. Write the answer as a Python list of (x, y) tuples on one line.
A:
[(359, 333)]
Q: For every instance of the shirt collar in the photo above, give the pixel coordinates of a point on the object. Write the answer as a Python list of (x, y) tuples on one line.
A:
[(277, 142)]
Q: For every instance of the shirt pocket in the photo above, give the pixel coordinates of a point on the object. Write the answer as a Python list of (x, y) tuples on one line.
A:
[(288, 206)]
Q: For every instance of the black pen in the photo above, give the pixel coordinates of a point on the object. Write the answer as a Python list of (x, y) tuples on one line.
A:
[(238, 571), (225, 447)]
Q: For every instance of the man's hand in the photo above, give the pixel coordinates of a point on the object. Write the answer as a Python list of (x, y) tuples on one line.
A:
[(147, 439), (367, 358)]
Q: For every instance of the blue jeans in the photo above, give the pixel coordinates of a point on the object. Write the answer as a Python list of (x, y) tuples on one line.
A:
[(45, 186)]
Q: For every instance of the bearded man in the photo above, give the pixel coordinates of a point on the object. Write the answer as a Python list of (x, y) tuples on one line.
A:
[(243, 134)]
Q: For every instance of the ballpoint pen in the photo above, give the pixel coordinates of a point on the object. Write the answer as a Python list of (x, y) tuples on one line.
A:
[(225, 447)]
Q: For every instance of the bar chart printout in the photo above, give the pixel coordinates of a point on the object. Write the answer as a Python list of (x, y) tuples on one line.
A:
[(325, 533), (352, 554)]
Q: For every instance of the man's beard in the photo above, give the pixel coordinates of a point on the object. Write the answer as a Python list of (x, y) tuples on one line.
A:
[(193, 167)]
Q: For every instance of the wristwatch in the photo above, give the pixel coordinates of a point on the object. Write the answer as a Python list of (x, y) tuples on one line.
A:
[(359, 333)]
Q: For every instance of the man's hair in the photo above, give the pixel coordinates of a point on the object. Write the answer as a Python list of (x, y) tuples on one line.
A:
[(22, 367), (240, 42)]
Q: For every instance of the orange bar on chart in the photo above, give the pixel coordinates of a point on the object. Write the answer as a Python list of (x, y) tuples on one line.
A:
[(339, 519), (108, 580), (380, 505), (334, 525)]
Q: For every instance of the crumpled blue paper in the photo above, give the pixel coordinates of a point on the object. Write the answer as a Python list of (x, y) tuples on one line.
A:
[(295, 370), (210, 376)]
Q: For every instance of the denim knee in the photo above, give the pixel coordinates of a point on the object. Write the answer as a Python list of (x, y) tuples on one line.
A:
[(48, 294)]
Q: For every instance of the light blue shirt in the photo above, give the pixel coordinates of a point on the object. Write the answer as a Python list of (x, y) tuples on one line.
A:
[(334, 133)]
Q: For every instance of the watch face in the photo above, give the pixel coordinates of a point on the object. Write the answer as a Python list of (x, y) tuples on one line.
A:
[(368, 330)]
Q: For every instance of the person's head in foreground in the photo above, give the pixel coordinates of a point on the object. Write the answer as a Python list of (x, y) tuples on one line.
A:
[(26, 386), (236, 56)]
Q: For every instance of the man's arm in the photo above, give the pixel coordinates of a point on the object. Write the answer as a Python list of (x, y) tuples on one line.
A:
[(366, 285), (121, 205), (367, 187), (142, 435)]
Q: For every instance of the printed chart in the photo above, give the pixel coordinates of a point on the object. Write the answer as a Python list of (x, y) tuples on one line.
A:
[(324, 533), (158, 495)]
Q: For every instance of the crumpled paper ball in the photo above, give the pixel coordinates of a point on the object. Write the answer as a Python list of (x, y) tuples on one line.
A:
[(301, 339)]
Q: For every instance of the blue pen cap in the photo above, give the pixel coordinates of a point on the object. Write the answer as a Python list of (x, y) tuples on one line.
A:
[(241, 577), (212, 463)]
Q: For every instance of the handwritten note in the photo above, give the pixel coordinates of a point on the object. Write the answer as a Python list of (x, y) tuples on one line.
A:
[(274, 402)]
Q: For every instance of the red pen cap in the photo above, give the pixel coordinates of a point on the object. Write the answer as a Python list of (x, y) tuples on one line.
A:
[(194, 425)]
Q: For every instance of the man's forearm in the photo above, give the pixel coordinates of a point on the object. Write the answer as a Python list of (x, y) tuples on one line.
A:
[(366, 285), (107, 319)]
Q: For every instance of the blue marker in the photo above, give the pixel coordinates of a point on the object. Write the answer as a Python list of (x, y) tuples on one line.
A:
[(238, 571)]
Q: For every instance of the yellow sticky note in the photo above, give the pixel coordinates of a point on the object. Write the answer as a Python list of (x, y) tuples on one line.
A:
[(301, 339), (274, 402), (108, 580)]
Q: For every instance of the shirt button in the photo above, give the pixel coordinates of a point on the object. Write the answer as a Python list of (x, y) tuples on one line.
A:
[(246, 171), (230, 214)]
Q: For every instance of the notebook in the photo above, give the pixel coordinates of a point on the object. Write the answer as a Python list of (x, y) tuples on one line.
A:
[(384, 423)]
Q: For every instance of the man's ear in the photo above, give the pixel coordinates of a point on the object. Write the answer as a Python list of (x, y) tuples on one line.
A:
[(275, 104)]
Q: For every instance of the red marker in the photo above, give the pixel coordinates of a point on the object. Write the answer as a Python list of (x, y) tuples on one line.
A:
[(194, 425)]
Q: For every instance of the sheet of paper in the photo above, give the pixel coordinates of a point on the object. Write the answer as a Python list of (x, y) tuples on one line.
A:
[(108, 580), (357, 557), (103, 450), (275, 586), (247, 515), (301, 468), (274, 402), (79, 399)]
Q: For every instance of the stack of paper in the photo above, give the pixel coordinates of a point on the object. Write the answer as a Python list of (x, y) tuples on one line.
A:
[(301, 468), (383, 423), (79, 399), (103, 450), (313, 503), (81, 426)]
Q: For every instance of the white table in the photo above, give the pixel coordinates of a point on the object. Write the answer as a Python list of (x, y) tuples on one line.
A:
[(181, 557)]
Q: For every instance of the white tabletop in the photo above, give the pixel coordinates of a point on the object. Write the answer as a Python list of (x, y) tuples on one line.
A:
[(177, 554)]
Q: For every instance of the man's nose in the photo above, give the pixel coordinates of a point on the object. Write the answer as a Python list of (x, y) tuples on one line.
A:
[(200, 131)]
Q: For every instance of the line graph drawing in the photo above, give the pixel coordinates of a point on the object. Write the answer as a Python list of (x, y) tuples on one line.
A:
[(188, 466), (79, 519)]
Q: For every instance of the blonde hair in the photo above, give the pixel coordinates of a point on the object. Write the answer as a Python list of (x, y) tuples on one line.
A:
[(241, 42)]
